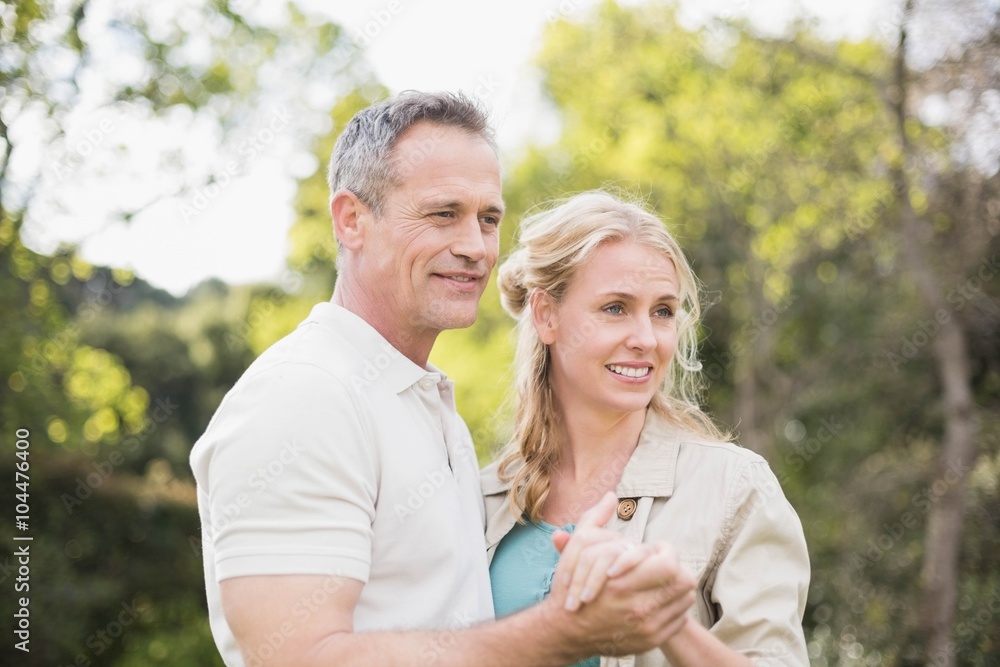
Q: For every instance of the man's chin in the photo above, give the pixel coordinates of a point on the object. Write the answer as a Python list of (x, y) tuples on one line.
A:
[(462, 322), (446, 319)]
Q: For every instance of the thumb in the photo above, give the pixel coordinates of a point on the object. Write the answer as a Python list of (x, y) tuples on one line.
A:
[(560, 539), (599, 515)]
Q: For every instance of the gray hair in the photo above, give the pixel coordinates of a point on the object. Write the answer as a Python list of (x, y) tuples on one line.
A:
[(362, 160)]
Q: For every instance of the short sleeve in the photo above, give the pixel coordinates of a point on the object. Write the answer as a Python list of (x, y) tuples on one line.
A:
[(290, 478), (762, 581)]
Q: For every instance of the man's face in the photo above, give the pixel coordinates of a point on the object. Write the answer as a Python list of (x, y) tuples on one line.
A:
[(427, 258)]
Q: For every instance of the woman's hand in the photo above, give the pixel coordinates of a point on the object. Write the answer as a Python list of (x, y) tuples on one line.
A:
[(593, 554)]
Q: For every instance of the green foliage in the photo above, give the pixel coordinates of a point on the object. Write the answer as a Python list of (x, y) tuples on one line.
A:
[(115, 380), (769, 158)]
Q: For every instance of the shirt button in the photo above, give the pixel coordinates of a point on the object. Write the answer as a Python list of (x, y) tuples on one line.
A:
[(427, 384)]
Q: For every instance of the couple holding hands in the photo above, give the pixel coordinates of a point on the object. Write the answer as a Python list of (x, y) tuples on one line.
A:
[(618, 527)]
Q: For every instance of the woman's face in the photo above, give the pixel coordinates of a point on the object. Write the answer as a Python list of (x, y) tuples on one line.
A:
[(614, 332)]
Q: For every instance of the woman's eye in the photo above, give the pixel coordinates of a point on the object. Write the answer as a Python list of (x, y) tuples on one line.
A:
[(664, 312), (614, 309)]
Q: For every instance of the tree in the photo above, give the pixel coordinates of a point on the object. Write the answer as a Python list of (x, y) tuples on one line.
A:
[(953, 361), (776, 163), (115, 521)]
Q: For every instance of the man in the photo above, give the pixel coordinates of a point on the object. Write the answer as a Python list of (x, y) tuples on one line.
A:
[(338, 489)]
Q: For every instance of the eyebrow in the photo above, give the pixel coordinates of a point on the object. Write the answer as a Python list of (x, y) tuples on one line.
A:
[(625, 296), (455, 205)]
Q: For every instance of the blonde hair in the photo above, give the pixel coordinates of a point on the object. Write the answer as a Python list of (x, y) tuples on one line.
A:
[(554, 243)]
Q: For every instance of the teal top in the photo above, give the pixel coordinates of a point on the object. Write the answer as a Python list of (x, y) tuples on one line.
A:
[(522, 570)]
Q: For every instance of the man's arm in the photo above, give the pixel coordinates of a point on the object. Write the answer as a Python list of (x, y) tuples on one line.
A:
[(299, 620)]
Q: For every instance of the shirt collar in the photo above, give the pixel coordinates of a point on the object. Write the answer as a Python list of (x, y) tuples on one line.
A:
[(376, 358)]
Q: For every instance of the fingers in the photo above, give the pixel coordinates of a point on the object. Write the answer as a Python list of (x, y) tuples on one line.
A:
[(663, 612), (560, 539), (628, 559), (596, 564), (660, 569), (599, 515), (589, 529), (665, 621), (569, 571), (638, 610)]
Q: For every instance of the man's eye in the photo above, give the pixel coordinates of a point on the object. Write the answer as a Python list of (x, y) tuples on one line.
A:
[(614, 309), (491, 220)]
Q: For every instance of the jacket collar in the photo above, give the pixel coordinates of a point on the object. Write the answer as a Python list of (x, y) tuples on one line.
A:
[(650, 471), (652, 468)]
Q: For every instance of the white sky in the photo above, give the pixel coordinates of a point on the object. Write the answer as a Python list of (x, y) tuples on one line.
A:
[(484, 48)]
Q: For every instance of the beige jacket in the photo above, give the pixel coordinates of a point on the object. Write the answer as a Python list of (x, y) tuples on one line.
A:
[(723, 510)]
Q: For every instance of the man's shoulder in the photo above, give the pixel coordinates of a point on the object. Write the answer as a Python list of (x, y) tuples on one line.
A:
[(312, 349), (307, 373)]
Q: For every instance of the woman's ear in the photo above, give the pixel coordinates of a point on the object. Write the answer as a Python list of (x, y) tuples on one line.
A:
[(350, 219), (544, 315)]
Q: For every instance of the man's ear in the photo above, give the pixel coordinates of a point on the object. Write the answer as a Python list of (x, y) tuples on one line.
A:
[(544, 315), (351, 218)]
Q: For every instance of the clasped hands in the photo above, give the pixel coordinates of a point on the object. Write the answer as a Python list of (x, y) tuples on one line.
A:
[(624, 596)]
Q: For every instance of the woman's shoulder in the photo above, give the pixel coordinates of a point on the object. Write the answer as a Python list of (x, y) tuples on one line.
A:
[(722, 448), (699, 444), (490, 481)]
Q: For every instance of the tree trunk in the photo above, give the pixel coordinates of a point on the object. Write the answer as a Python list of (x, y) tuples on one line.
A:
[(939, 576), (757, 339)]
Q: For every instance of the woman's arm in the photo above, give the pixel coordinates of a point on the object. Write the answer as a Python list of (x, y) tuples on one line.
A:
[(693, 646), (759, 583)]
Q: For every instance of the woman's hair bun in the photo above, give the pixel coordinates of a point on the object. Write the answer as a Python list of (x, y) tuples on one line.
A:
[(510, 280)]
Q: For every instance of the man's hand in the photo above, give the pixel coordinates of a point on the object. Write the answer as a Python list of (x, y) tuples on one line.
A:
[(639, 594)]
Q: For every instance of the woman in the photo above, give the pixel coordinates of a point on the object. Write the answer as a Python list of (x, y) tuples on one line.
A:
[(606, 384)]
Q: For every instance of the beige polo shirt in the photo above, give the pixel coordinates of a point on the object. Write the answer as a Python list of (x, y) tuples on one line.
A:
[(336, 455), (723, 510)]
